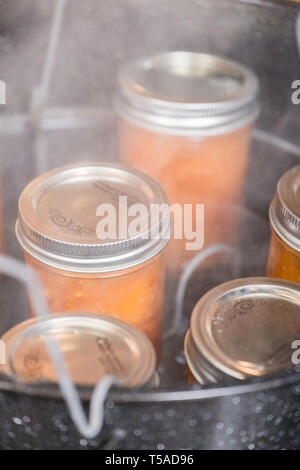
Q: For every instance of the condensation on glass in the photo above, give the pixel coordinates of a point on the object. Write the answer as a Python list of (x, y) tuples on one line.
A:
[(284, 254), (243, 328), (92, 345), (185, 118), (57, 228)]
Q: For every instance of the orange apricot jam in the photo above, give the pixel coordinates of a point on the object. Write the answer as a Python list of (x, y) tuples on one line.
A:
[(283, 261), (185, 119), (209, 170), (115, 273), (190, 378), (284, 253), (134, 296)]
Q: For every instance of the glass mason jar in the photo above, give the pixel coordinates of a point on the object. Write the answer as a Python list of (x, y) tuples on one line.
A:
[(77, 224), (185, 119), (284, 254), (93, 346), (243, 328)]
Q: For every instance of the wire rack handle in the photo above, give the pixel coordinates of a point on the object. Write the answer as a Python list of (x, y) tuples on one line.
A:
[(92, 426)]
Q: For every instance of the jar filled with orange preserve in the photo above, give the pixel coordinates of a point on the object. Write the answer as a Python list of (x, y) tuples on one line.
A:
[(185, 118), (242, 329), (92, 345), (284, 254), (88, 231)]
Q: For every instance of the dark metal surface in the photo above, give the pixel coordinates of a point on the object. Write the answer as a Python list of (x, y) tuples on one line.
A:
[(97, 38), (263, 419)]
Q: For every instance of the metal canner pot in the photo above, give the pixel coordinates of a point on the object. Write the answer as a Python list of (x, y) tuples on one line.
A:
[(257, 413)]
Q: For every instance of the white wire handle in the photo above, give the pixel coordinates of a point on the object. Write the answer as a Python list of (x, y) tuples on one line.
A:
[(91, 427), (185, 277), (41, 93)]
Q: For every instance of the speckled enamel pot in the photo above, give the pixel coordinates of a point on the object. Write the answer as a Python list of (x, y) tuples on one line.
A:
[(252, 415), (260, 415)]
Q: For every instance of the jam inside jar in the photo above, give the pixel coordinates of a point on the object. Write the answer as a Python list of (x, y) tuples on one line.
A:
[(284, 253), (186, 119), (116, 272)]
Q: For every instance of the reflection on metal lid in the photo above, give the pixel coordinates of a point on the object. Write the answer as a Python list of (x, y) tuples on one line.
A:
[(58, 217), (189, 91), (244, 328), (93, 346), (285, 208)]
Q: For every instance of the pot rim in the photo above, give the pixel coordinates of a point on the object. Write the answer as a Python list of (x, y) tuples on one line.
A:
[(161, 395)]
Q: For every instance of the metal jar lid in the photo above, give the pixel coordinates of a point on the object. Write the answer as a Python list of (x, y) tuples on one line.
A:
[(57, 218), (188, 93), (285, 208), (243, 328), (93, 346)]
